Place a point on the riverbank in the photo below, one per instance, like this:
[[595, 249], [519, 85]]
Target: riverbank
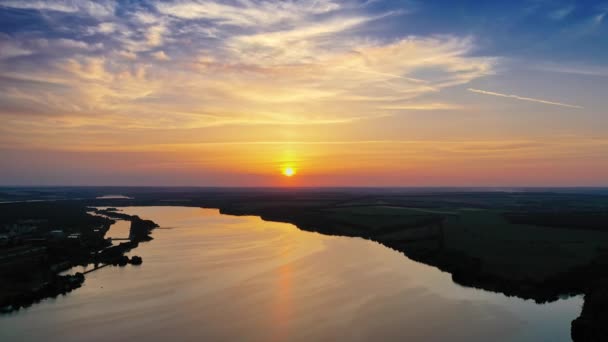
[[217, 277], [47, 239], [500, 242]]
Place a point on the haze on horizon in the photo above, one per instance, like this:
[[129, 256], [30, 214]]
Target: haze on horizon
[[361, 92]]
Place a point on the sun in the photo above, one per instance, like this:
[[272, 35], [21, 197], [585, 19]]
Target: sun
[[289, 171]]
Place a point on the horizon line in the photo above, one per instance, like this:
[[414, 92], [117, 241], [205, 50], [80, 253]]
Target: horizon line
[[319, 187]]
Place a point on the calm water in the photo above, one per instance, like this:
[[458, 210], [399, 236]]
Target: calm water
[[119, 230], [213, 277], [113, 197]]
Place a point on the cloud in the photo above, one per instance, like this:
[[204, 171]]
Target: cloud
[[586, 70], [561, 13], [252, 78], [529, 99], [249, 62], [599, 18], [99, 8], [253, 13], [161, 56], [422, 106], [155, 34], [128, 55], [9, 48], [107, 28]]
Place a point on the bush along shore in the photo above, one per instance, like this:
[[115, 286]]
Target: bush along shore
[[53, 238]]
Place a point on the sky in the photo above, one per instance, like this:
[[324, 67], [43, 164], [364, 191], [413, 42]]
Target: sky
[[345, 93]]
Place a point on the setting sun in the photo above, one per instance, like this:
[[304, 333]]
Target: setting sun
[[289, 171]]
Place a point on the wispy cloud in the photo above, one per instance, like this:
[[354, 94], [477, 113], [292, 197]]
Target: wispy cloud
[[98, 8], [247, 13], [233, 84], [183, 64], [561, 13], [522, 98], [599, 18], [586, 70], [161, 56], [422, 106]]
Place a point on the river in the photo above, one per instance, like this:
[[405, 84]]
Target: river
[[214, 277]]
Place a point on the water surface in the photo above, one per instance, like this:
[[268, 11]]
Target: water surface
[[113, 197], [214, 277]]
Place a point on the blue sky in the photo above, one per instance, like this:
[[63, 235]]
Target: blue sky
[[545, 29], [190, 85]]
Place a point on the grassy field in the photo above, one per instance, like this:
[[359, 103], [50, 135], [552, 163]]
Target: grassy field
[[507, 250], [377, 218], [520, 251]]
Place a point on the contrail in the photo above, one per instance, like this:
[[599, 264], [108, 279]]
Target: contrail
[[523, 98]]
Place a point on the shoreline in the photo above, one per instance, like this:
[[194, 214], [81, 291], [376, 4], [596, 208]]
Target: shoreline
[[54, 283], [424, 233]]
